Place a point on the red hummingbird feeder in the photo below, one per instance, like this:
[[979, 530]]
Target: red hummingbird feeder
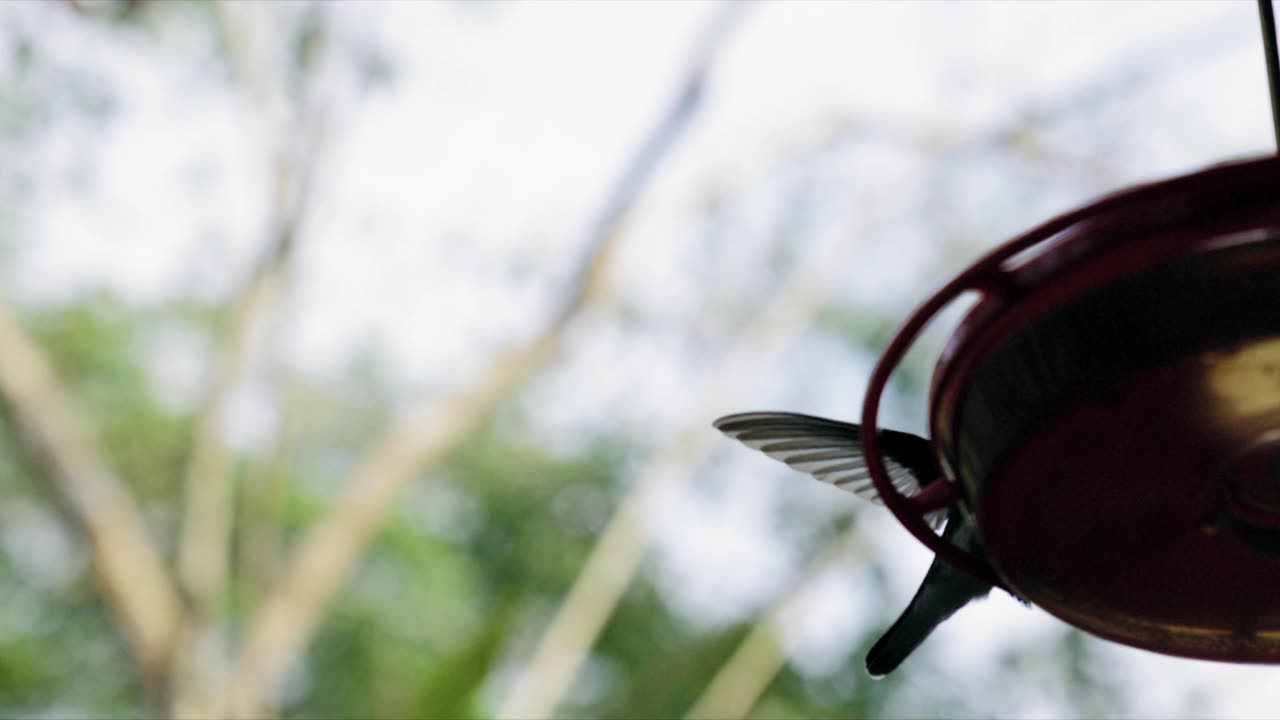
[[1108, 413]]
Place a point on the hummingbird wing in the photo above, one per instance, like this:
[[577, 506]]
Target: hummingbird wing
[[831, 451], [944, 591]]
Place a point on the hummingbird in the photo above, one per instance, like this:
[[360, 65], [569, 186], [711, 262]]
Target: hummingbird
[[831, 451]]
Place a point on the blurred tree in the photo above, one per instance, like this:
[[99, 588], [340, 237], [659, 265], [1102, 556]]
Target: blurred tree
[[373, 556]]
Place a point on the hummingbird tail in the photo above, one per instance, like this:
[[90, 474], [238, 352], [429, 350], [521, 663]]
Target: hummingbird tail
[[897, 644]]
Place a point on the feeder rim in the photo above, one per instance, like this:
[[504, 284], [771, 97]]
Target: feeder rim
[[987, 276]]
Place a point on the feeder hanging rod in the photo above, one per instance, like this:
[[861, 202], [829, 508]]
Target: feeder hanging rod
[[1267, 15]]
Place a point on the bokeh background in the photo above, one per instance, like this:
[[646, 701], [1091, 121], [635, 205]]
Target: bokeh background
[[358, 359]]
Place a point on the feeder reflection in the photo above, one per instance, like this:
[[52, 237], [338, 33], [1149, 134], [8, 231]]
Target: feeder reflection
[[1245, 384]]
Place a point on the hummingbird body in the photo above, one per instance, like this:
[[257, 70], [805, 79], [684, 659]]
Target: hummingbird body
[[831, 451]]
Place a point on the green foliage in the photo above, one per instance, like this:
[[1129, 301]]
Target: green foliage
[[437, 600], [87, 667], [94, 345], [460, 581]]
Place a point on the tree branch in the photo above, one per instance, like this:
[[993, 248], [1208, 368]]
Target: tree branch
[[327, 554], [128, 567], [205, 546], [207, 523]]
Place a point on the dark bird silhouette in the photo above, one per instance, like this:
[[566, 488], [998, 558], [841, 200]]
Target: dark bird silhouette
[[831, 451]]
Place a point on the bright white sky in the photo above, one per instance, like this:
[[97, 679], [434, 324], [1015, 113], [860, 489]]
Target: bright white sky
[[453, 202]]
